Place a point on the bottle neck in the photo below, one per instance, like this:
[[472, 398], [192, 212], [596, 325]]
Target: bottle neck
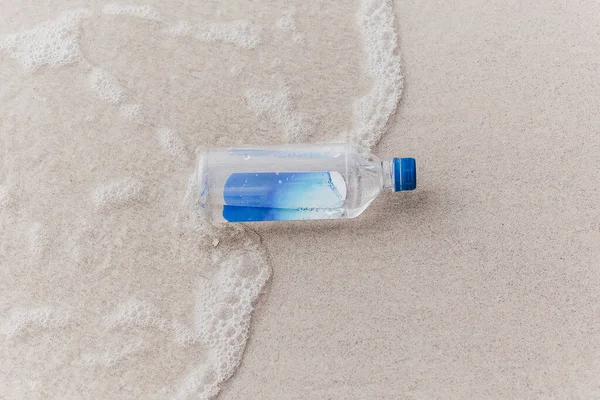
[[387, 175]]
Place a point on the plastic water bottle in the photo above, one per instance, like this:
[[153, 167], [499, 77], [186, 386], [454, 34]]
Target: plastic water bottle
[[295, 182]]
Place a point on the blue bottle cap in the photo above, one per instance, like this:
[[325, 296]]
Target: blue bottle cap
[[405, 174]]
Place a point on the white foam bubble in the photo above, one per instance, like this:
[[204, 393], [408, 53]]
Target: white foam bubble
[[241, 33], [53, 43], [146, 315], [172, 143], [146, 11], [299, 38], [110, 358], [289, 24], [132, 112], [180, 29], [277, 106], [118, 192], [224, 309], [377, 24], [133, 312], [105, 86], [20, 320], [200, 383]]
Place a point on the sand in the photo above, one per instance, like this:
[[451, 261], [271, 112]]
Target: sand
[[484, 283]]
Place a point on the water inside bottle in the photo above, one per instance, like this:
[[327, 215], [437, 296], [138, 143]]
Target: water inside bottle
[[281, 196]]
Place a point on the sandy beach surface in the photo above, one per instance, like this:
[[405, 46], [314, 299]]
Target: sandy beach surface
[[483, 283]]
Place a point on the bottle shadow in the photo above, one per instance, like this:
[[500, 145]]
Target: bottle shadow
[[401, 208]]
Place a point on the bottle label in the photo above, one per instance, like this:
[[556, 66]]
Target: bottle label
[[272, 196]]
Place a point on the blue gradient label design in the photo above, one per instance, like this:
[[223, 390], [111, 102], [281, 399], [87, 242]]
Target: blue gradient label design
[[270, 196]]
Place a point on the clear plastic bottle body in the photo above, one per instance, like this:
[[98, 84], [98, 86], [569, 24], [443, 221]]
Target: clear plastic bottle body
[[289, 182]]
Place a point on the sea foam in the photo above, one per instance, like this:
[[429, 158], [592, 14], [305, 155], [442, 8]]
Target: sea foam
[[113, 232]]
